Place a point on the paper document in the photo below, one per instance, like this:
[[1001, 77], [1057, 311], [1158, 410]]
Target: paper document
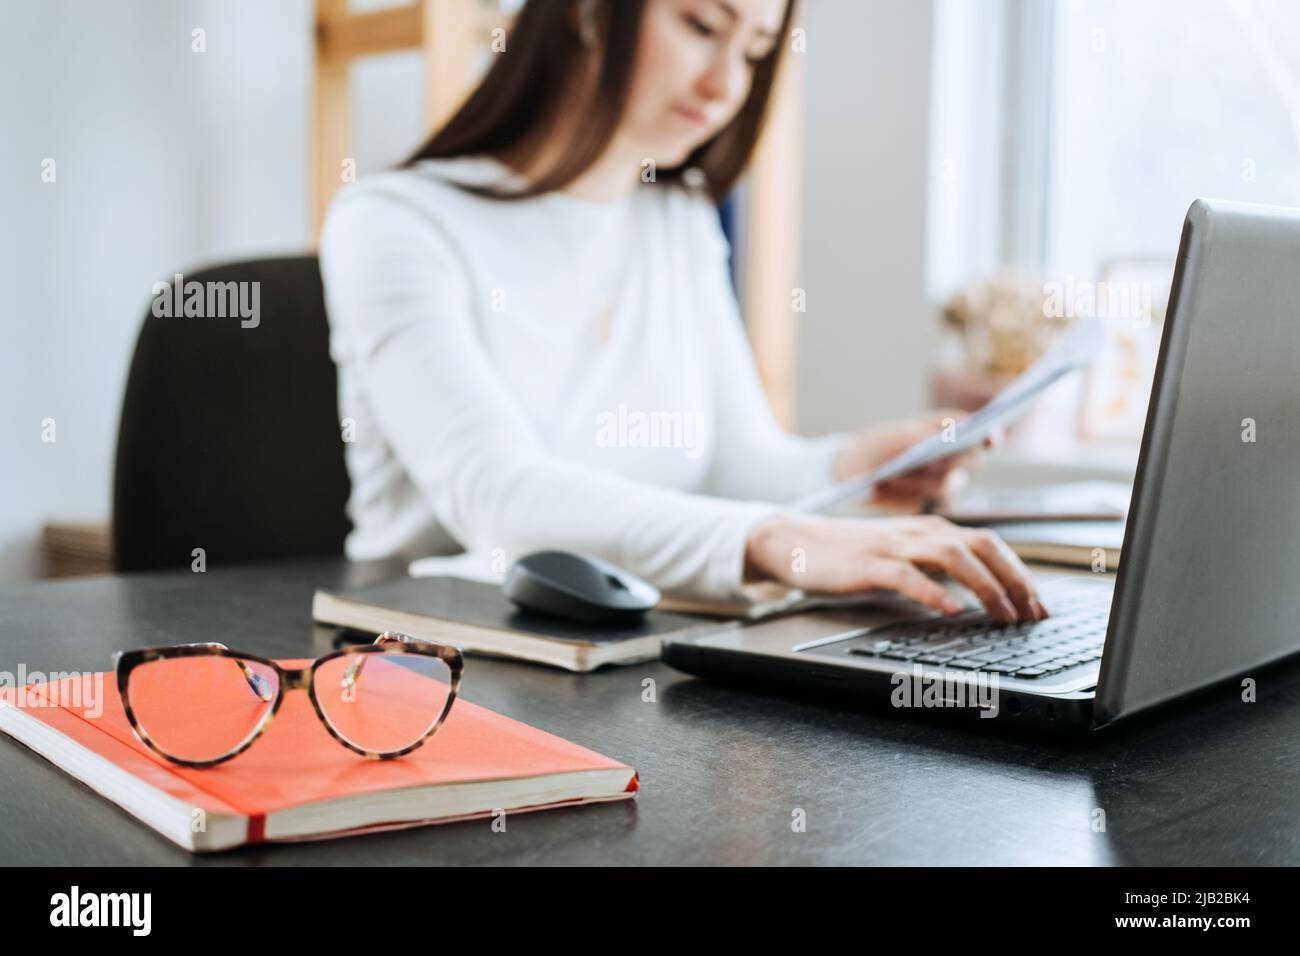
[[1073, 352]]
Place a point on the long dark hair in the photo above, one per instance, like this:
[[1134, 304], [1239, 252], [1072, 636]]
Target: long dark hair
[[523, 94]]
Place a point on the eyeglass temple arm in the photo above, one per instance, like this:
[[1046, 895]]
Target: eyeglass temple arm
[[353, 673], [261, 686]]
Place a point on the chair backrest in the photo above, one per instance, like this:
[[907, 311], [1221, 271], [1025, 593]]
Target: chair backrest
[[230, 437]]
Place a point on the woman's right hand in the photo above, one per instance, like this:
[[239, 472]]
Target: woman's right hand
[[843, 555]]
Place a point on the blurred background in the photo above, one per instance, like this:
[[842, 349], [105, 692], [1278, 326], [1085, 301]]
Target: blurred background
[[945, 184]]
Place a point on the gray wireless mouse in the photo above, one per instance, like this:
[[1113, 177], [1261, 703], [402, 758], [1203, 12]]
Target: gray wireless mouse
[[579, 588]]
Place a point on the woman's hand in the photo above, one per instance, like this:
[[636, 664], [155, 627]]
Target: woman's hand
[[845, 555], [936, 482]]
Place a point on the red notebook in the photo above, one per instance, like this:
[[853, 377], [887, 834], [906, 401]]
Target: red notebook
[[296, 782]]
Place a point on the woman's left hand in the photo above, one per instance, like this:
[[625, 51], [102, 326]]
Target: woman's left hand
[[935, 483]]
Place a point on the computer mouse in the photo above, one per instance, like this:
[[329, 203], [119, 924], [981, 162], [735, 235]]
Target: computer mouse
[[580, 588]]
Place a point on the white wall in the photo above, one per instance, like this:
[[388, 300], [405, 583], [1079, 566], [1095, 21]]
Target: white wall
[[869, 333], [166, 160]]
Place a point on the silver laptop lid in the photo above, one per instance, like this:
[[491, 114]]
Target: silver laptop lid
[[1209, 581]]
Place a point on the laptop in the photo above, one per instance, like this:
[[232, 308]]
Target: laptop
[[1208, 588]]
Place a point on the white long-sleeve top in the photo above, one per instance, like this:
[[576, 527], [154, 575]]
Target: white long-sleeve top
[[550, 373]]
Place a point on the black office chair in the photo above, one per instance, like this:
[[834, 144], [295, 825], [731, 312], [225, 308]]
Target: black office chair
[[230, 436]]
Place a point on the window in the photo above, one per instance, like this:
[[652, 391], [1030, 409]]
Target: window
[[1155, 103], [1093, 125]]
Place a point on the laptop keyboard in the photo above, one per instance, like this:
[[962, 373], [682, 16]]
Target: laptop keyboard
[[1073, 635]]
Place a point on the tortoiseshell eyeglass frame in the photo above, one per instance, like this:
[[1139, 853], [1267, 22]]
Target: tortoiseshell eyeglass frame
[[389, 642]]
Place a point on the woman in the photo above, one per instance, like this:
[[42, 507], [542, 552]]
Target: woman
[[538, 346]]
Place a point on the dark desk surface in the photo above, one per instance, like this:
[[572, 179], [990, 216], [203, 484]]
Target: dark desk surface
[[722, 769]]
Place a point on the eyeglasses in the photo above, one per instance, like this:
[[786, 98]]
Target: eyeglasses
[[202, 704]]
